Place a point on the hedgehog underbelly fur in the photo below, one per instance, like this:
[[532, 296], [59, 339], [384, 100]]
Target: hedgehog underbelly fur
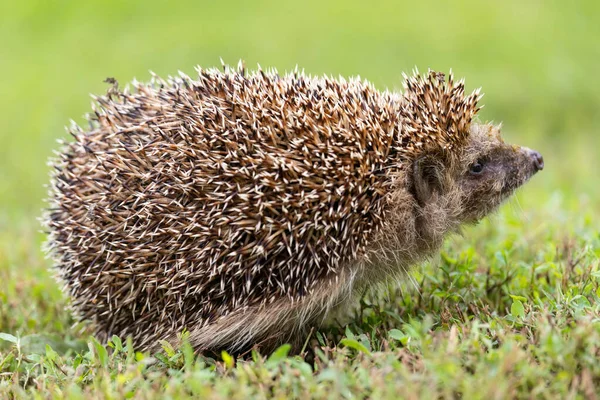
[[241, 207]]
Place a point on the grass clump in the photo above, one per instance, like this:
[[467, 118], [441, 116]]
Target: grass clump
[[505, 311]]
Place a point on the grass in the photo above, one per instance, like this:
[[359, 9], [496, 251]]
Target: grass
[[512, 313], [508, 310]]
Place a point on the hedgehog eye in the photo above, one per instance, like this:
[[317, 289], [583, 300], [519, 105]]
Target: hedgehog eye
[[476, 167]]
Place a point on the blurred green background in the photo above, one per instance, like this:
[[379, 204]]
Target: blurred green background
[[537, 62]]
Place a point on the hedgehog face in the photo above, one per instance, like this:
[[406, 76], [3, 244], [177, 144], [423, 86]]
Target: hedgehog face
[[490, 171], [466, 170], [464, 189]]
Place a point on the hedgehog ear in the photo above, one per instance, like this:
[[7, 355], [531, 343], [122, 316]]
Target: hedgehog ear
[[427, 178]]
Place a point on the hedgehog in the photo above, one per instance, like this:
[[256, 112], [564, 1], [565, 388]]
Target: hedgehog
[[245, 207]]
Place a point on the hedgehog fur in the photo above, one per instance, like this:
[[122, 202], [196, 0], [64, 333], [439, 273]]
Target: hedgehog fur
[[245, 207]]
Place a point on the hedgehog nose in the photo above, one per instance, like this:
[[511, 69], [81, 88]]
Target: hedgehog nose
[[538, 160]]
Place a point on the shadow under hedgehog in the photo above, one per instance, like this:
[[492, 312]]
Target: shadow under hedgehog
[[245, 207]]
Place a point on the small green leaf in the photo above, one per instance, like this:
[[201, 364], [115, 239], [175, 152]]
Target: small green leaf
[[320, 338], [517, 310], [168, 348], [279, 354], [100, 352], [396, 334], [516, 297], [449, 260], [8, 337], [117, 344], [162, 358], [227, 359], [349, 333], [364, 340], [353, 344], [255, 356], [50, 353]]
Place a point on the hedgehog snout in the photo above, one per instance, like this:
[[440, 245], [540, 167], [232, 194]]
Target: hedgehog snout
[[537, 159]]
